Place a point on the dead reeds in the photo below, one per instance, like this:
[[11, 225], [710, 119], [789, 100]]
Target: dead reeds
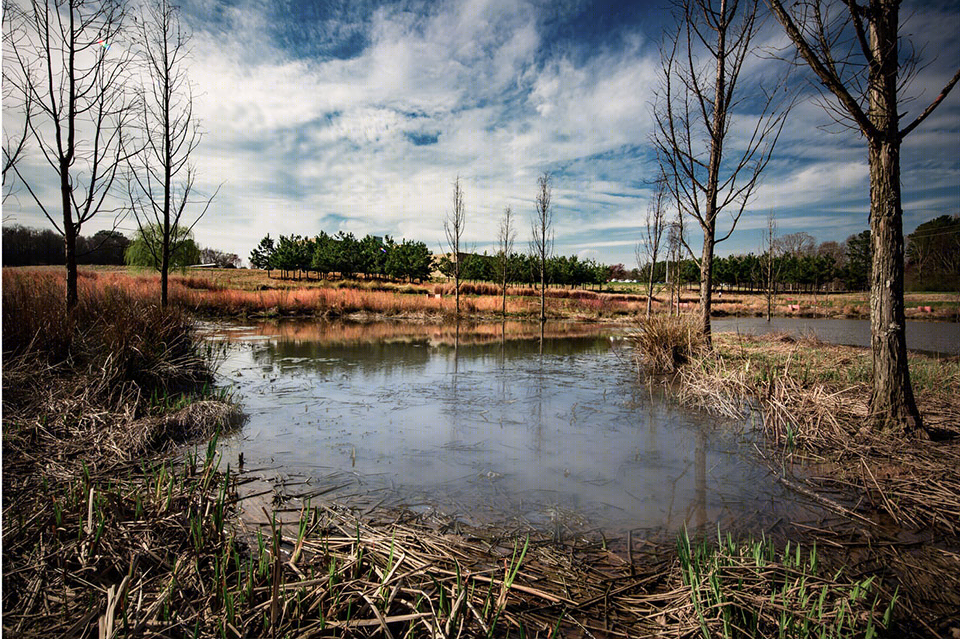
[[663, 343], [813, 403]]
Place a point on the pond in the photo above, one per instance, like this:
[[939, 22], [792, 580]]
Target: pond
[[487, 425], [930, 337]]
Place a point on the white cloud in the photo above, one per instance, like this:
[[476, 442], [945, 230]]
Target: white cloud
[[303, 143]]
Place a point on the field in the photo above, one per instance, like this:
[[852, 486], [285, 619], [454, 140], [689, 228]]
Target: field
[[247, 292]]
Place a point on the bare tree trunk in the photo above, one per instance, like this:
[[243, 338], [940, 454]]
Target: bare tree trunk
[[542, 240], [69, 236], [75, 105], [706, 285], [165, 264], [453, 228], [693, 118], [892, 400], [892, 404], [650, 290], [506, 237]]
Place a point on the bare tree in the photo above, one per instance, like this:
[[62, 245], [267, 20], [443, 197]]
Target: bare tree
[[675, 243], [799, 244], [855, 54], [693, 113], [770, 250], [13, 144], [505, 237], [64, 67], [542, 233], [453, 228], [649, 246], [161, 179]]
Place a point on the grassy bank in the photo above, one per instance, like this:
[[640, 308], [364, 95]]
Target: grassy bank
[[92, 405], [897, 501], [243, 293]]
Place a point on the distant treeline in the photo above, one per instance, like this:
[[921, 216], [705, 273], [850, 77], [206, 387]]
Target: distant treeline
[[831, 266], [346, 256], [525, 269], [933, 255], [800, 264], [23, 246]]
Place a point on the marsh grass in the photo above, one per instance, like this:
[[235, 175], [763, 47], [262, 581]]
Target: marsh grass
[[109, 532], [812, 400], [749, 589], [662, 343]]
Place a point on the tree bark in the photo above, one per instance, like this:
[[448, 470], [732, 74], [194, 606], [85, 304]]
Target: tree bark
[[706, 283], [892, 404]]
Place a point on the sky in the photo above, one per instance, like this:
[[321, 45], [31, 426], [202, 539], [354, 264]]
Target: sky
[[358, 115]]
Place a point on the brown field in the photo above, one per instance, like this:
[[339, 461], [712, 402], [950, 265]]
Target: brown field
[[239, 292], [248, 292]]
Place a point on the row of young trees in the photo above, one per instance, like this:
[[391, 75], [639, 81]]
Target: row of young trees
[[523, 268], [345, 255]]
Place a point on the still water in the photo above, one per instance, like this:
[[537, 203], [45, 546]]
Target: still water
[[488, 427], [931, 337]]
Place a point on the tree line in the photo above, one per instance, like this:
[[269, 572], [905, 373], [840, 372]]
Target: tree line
[[522, 268], [345, 255], [25, 246], [799, 264]]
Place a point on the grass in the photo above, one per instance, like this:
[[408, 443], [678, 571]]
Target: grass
[[243, 293], [812, 402], [749, 589], [110, 528], [662, 343]]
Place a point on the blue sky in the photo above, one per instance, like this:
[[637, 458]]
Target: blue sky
[[358, 116]]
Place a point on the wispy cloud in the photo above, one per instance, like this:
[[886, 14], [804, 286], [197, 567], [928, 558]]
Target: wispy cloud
[[359, 115]]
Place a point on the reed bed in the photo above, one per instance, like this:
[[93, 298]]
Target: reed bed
[[209, 296], [814, 402], [147, 548]]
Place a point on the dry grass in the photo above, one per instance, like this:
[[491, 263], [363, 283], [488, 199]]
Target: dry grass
[[225, 294], [662, 343], [813, 399]]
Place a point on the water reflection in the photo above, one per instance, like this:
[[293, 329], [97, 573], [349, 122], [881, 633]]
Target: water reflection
[[489, 422]]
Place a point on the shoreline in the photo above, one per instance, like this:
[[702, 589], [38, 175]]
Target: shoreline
[[890, 493]]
